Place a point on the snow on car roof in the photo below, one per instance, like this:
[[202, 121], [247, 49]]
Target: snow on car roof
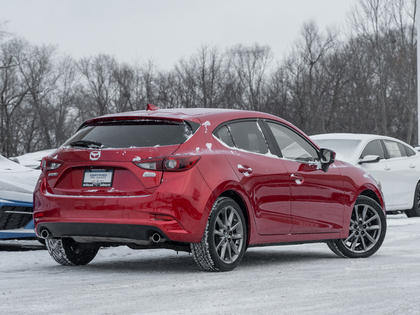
[[350, 136]]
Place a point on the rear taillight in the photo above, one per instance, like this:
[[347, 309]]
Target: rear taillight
[[49, 164], [170, 163]]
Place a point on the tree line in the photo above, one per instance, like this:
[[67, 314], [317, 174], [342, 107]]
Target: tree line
[[359, 79]]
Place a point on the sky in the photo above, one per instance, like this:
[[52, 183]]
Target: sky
[[166, 30]]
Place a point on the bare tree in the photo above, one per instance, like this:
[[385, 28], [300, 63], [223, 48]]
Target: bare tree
[[40, 76], [402, 60], [369, 22], [249, 65], [307, 77], [12, 93], [100, 88]]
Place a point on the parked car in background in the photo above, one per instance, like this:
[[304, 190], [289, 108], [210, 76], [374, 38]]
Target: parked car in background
[[208, 181], [33, 159], [394, 163], [17, 184]]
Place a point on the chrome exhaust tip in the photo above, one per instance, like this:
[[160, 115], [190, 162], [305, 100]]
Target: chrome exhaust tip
[[45, 234], [156, 238]]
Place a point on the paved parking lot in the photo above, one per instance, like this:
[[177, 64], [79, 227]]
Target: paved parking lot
[[298, 279]]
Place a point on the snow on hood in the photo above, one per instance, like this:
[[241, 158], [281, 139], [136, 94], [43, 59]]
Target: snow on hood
[[33, 159], [17, 182]]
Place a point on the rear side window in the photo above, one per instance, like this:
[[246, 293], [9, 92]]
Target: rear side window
[[395, 149], [224, 135], [409, 151], [134, 134]]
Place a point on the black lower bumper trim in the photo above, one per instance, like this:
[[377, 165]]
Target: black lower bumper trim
[[100, 230]]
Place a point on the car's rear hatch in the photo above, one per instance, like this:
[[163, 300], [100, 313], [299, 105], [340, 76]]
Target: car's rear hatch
[[115, 158]]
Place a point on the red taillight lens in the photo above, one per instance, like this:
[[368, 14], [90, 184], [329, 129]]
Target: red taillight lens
[[180, 163], [170, 163], [38, 215], [50, 164]]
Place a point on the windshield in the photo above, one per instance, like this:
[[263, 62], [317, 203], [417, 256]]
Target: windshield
[[343, 147], [128, 134]]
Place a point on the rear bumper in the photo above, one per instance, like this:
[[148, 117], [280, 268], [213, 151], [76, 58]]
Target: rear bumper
[[176, 210], [102, 232]]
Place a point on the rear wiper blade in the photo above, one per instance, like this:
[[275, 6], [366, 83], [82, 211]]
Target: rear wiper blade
[[86, 143]]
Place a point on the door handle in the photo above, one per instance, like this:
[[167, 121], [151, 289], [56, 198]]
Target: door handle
[[297, 178], [412, 166], [244, 169], [387, 167]]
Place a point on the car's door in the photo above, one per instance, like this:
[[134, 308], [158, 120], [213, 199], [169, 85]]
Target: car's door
[[263, 175], [397, 171], [379, 170], [402, 170], [317, 196]]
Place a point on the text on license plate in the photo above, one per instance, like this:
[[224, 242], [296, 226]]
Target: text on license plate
[[98, 178]]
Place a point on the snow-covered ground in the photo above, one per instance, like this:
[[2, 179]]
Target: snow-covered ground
[[299, 279]]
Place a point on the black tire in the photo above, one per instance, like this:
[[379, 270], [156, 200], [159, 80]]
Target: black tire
[[224, 241], [366, 233], [67, 252], [41, 240], [415, 211]]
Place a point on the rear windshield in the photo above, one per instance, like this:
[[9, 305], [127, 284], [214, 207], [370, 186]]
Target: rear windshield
[[128, 134], [344, 147]]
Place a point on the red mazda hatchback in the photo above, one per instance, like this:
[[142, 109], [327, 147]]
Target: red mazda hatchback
[[212, 182]]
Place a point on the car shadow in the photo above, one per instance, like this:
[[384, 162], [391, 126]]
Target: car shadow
[[20, 246], [284, 255], [184, 262]]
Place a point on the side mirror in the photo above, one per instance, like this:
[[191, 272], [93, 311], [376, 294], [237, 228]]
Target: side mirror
[[369, 159], [327, 157]]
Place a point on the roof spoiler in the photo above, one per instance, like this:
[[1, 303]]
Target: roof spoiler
[[151, 107]]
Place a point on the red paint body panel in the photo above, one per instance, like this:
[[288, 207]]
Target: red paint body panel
[[182, 196], [277, 207]]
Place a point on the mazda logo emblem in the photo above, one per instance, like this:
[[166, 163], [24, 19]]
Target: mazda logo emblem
[[95, 155]]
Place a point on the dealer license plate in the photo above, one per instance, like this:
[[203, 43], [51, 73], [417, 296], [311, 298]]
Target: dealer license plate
[[98, 178]]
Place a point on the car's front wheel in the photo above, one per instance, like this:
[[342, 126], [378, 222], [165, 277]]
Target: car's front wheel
[[67, 252], [224, 241], [366, 232]]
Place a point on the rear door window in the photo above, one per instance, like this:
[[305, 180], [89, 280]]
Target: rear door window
[[245, 135], [374, 147]]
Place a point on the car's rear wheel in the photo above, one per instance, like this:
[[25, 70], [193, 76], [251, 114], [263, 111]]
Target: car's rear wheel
[[224, 241], [415, 211], [366, 233], [67, 252]]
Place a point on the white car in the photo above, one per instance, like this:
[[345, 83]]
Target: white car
[[33, 159], [394, 163], [17, 184]]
